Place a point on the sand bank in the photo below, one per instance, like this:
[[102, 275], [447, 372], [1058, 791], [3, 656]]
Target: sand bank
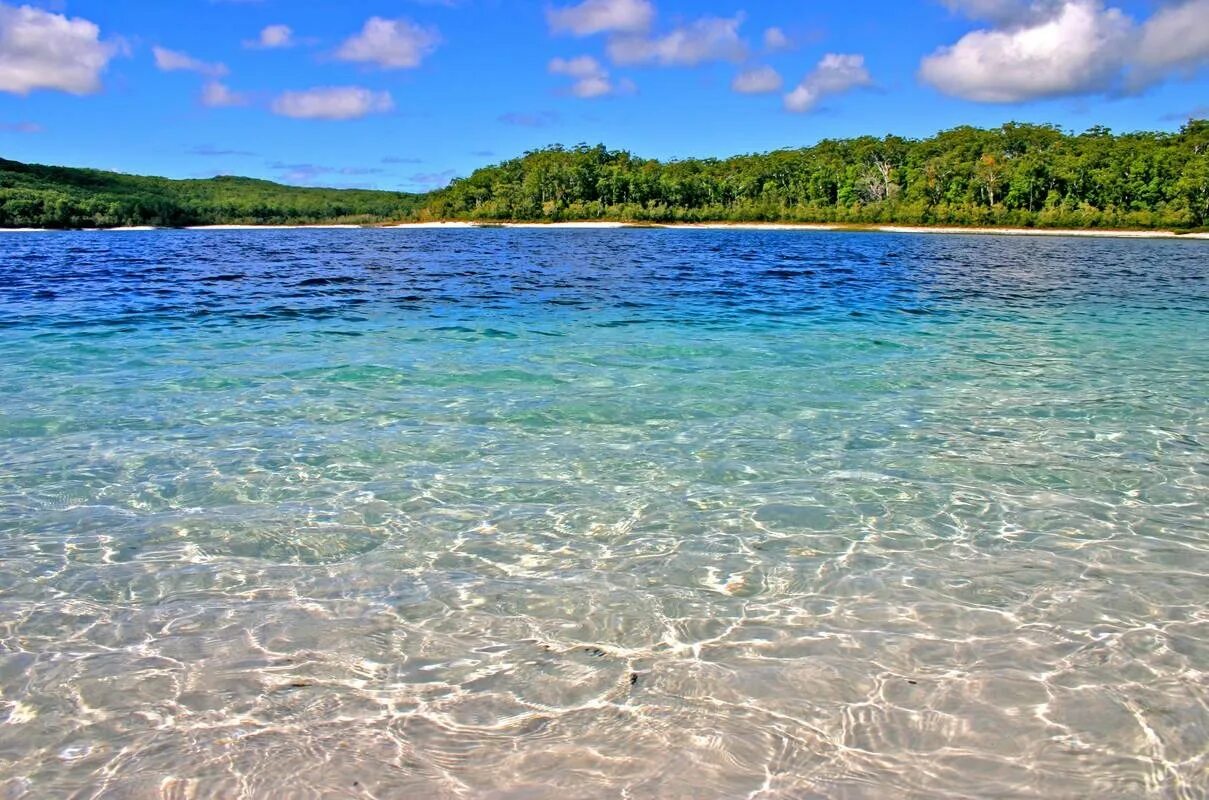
[[696, 226], [270, 227], [794, 226], [1041, 232]]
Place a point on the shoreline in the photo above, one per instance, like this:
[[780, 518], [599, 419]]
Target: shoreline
[[945, 230], [269, 227], [939, 230]]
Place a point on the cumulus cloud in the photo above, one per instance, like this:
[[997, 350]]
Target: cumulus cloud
[[1006, 12], [757, 80], [1176, 37], [273, 37], [836, 73], [41, 50], [175, 61], [216, 94], [602, 16], [591, 78], [1081, 48], [390, 44], [705, 39], [332, 103], [776, 39]]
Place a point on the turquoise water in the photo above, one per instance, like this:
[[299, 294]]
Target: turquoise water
[[644, 514]]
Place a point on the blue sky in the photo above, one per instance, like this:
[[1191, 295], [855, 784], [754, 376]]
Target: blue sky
[[404, 94]]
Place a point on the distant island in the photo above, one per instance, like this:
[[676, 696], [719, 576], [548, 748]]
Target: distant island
[[1017, 175]]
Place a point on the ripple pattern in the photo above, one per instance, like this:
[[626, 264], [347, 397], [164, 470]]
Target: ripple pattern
[[581, 514]]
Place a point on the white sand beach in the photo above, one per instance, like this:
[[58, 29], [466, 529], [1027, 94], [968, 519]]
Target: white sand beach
[[530, 225], [1042, 232], [805, 226], [269, 227], [688, 226], [433, 225]]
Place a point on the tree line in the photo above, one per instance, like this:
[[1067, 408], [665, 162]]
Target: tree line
[[1018, 175], [37, 196], [1014, 175]]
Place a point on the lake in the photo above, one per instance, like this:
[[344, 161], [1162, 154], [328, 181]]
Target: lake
[[585, 514]]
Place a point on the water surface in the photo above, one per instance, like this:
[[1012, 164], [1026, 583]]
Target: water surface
[[582, 514]]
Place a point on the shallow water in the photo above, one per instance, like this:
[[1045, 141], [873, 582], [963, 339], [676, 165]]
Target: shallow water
[[580, 514]]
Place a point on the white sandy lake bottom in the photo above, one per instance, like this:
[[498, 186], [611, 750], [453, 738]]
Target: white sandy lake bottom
[[286, 514]]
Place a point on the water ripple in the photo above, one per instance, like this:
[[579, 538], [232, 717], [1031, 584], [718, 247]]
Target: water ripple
[[646, 513]]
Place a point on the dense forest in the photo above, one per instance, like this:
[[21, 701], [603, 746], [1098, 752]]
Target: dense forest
[[1015, 175], [60, 197]]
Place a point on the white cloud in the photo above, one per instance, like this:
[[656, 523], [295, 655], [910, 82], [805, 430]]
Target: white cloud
[[836, 73], [1200, 112], [591, 78], [757, 80], [1176, 37], [175, 61], [218, 95], [433, 180], [579, 67], [332, 103], [1079, 49], [41, 50], [776, 39], [390, 43], [602, 16], [310, 173], [273, 37], [706, 39], [1006, 12]]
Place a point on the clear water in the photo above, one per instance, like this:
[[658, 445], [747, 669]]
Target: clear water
[[585, 514]]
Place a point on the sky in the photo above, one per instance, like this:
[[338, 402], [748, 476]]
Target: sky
[[407, 94]]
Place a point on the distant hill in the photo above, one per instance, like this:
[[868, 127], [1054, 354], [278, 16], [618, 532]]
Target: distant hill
[[38, 196]]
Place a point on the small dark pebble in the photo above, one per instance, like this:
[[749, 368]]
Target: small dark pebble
[[633, 678], [299, 685], [913, 683]]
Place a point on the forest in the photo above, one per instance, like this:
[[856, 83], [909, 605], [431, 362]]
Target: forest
[[34, 196], [1015, 175]]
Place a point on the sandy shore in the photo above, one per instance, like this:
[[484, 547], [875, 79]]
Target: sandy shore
[[700, 226], [529, 225], [1042, 232], [270, 227], [793, 226]]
